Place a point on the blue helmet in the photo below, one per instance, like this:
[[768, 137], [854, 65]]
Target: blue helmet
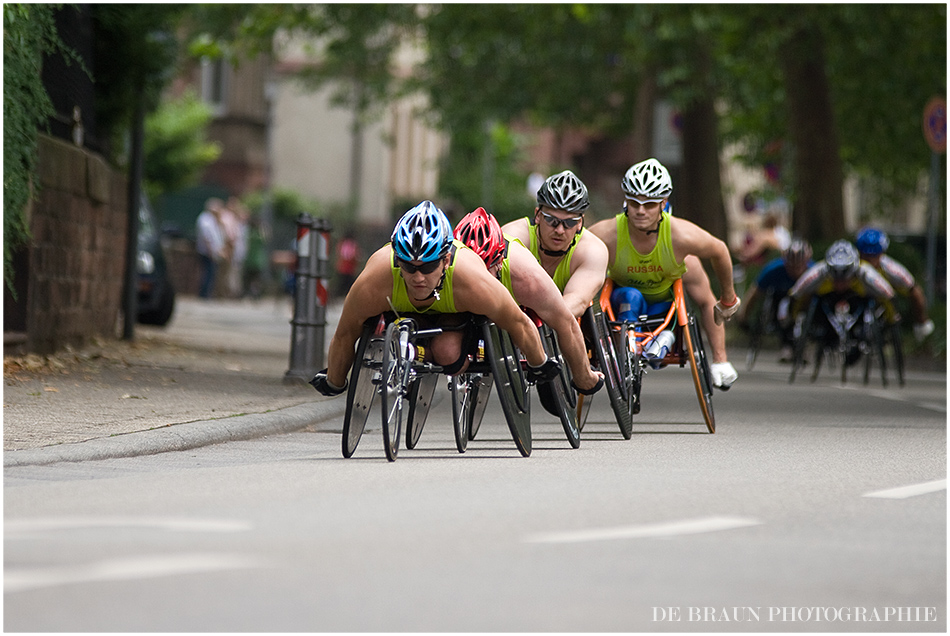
[[422, 234], [871, 240]]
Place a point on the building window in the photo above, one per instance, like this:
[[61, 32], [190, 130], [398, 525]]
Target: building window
[[214, 84]]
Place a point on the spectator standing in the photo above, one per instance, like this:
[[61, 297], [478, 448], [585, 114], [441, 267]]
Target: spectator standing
[[256, 262], [210, 245], [347, 262]]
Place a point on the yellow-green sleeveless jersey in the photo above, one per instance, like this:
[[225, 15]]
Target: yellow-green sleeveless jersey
[[653, 274], [562, 273], [505, 274], [445, 304]]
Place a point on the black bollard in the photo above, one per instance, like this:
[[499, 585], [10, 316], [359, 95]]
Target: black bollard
[[309, 320]]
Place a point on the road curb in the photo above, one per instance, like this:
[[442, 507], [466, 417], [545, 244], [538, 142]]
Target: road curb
[[180, 437]]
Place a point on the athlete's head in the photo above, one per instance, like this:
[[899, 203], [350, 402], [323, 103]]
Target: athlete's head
[[562, 199], [646, 188], [422, 234], [480, 231], [842, 260], [872, 241], [796, 257], [563, 191], [647, 181]]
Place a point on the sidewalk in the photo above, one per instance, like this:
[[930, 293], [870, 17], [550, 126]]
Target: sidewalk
[[215, 373]]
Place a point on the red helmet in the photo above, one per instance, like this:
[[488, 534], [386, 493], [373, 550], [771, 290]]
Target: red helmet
[[480, 231]]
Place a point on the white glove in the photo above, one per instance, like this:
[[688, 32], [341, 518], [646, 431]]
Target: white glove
[[723, 375], [725, 312], [923, 330]]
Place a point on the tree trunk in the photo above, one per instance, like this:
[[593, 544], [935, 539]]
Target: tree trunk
[[818, 209], [642, 138], [698, 190]]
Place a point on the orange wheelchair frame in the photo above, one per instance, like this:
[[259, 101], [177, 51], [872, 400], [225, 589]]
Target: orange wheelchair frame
[[688, 347]]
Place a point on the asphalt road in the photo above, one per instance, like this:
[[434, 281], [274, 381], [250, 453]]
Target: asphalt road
[[813, 508]]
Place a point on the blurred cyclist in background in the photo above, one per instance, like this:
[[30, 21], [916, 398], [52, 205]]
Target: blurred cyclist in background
[[777, 278], [872, 244]]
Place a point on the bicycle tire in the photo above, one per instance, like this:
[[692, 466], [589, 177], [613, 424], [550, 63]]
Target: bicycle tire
[[481, 391], [801, 339], [513, 388], [394, 383], [757, 332], [699, 366], [560, 393], [362, 392], [461, 388], [897, 345], [420, 400], [617, 380]]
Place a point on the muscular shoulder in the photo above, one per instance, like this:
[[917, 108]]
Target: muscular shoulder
[[605, 230], [518, 229], [590, 250]]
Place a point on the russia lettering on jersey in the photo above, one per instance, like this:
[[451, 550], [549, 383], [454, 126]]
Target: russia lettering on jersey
[[644, 269]]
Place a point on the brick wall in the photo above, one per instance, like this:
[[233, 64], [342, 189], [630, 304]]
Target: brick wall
[[77, 255]]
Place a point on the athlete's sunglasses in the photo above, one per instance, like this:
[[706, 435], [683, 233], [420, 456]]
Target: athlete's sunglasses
[[553, 221], [425, 268]]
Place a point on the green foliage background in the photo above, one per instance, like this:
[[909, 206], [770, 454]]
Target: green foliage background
[[29, 31]]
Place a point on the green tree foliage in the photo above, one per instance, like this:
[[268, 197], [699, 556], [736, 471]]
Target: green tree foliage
[[176, 149], [136, 54], [29, 31]]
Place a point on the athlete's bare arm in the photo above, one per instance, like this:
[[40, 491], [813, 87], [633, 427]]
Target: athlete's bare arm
[[606, 231], [518, 229], [366, 298], [689, 238], [533, 288], [588, 271]]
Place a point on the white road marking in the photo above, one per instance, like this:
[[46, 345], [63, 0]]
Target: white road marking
[[48, 524], [127, 569], [648, 531], [905, 492], [893, 397]]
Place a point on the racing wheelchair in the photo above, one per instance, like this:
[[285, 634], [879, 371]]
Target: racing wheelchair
[[389, 366], [844, 328], [619, 345]]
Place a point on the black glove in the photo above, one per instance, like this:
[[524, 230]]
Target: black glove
[[545, 373], [593, 389], [321, 384]]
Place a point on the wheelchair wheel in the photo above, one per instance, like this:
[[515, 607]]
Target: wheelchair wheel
[[420, 399], [894, 335], [464, 393], [513, 388], [875, 335], [758, 329], [362, 392], [481, 390], [699, 366], [395, 383], [584, 403], [618, 369], [557, 396], [802, 329]]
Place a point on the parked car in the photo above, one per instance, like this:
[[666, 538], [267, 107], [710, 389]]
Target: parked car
[[156, 297]]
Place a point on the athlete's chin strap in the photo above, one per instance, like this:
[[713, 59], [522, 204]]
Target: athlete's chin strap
[[556, 252], [445, 268], [657, 229]]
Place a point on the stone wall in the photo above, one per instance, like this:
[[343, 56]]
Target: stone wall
[[77, 253]]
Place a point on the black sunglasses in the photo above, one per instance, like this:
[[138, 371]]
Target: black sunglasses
[[553, 221], [425, 268]]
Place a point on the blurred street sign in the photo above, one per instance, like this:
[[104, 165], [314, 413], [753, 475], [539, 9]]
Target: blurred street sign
[[935, 124]]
